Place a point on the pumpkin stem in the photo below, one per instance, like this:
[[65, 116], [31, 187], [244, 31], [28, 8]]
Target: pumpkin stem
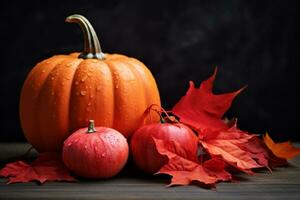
[[91, 128], [167, 118], [92, 48]]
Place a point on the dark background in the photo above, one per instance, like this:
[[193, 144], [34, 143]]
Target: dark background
[[254, 43]]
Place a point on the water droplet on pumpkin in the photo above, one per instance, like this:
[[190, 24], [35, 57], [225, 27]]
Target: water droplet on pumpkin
[[98, 88], [83, 93], [48, 62], [52, 78], [69, 144], [117, 86], [89, 74], [62, 83], [89, 103], [103, 155], [83, 79], [76, 140], [85, 147], [43, 71], [91, 96], [76, 82], [86, 87]]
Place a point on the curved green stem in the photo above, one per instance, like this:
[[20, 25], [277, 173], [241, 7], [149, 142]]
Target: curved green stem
[[92, 48]]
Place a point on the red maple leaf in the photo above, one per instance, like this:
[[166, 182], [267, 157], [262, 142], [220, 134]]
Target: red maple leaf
[[224, 142], [184, 167], [47, 167], [228, 144], [201, 109]]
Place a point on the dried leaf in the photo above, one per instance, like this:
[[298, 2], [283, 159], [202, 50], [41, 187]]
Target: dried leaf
[[185, 168], [47, 167], [283, 149]]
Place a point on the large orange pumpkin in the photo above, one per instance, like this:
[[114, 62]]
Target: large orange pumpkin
[[63, 92]]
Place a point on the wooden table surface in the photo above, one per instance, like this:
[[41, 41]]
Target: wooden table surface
[[130, 184]]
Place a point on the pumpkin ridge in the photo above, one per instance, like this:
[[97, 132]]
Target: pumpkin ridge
[[38, 102], [68, 62], [73, 98], [71, 94], [110, 117], [141, 82], [147, 86], [128, 99], [30, 135], [109, 64]]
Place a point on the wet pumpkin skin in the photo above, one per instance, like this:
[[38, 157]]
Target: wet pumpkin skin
[[143, 149], [63, 92], [100, 153]]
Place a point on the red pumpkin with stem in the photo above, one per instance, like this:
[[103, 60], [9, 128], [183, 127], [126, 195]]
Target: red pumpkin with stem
[[95, 152], [143, 148]]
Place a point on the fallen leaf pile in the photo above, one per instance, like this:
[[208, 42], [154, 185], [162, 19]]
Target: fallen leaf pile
[[224, 147]]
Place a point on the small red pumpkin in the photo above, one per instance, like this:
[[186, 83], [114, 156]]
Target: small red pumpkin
[[95, 152], [143, 148]]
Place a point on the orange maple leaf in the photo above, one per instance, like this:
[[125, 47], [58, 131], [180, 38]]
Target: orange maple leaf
[[282, 149]]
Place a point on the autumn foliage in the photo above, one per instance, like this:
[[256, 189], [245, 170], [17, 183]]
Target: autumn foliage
[[222, 144]]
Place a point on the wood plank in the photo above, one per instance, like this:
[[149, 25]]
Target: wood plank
[[131, 184]]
